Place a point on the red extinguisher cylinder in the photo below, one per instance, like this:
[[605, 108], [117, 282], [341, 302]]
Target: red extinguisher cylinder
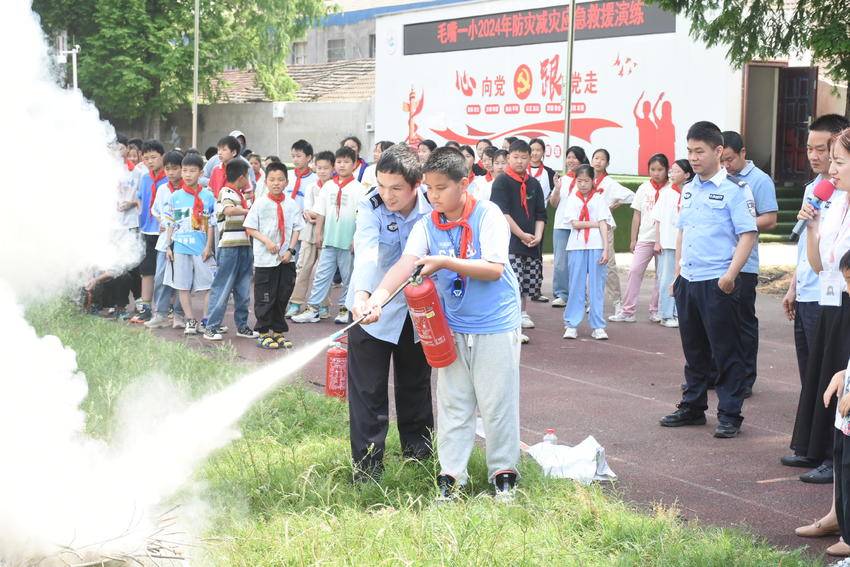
[[426, 311], [336, 372]]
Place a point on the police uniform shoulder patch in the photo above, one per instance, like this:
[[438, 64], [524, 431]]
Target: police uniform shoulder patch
[[375, 198]]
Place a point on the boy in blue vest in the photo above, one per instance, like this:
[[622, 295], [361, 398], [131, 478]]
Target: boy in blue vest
[[464, 244]]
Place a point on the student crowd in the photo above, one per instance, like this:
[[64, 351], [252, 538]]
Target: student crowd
[[474, 219]]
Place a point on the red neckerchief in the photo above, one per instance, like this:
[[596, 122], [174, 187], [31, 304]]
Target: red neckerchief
[[340, 186], [471, 177], [489, 177], [463, 222], [480, 164], [320, 183], [678, 190], [523, 194], [299, 175], [198, 206], [172, 188], [156, 179], [584, 215], [571, 174], [130, 165], [539, 171], [657, 188], [244, 203], [598, 181], [281, 221]]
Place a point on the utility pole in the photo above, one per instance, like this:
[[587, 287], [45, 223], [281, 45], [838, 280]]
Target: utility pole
[[568, 82], [197, 43], [63, 58]]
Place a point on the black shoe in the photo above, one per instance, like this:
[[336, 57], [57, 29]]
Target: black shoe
[[683, 416], [504, 484], [821, 475], [446, 488], [726, 430], [748, 392], [798, 461], [540, 299]]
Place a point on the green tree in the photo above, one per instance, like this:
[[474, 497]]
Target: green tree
[[764, 29], [137, 55]]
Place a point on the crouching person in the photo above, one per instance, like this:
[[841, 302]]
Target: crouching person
[[464, 244], [385, 218]]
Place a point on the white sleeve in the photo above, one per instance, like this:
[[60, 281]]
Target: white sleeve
[[495, 236], [637, 203], [602, 213], [570, 209], [417, 241], [252, 219], [622, 193], [319, 203], [658, 210]]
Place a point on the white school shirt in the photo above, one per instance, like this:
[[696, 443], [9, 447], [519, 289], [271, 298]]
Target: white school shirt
[[308, 233], [339, 228], [834, 232], [162, 201], [370, 176], [666, 214], [567, 189], [263, 218], [615, 192], [644, 202], [541, 174], [481, 188], [597, 206]]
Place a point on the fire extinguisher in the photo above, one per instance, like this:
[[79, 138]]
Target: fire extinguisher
[[336, 371], [423, 302]]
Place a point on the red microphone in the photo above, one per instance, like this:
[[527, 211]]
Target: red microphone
[[823, 192]]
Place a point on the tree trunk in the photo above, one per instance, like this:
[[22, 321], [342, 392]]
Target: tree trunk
[[847, 99], [152, 125]]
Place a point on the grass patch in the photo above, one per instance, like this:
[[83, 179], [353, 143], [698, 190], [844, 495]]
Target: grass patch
[[282, 496]]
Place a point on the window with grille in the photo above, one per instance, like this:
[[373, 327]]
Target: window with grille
[[336, 50]]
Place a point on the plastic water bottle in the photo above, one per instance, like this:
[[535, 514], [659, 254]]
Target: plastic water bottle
[[550, 437]]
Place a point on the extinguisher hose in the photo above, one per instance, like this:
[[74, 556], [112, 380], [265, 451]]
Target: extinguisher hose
[[413, 277]]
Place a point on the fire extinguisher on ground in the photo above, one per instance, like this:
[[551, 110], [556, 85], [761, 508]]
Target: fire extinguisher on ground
[[336, 371]]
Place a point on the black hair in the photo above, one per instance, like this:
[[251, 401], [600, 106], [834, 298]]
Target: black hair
[[431, 144], [488, 142], [585, 169], [832, 123], [211, 151], [733, 141], [533, 141], [399, 159], [844, 263], [193, 160], [276, 166], [246, 152], [384, 145], [257, 156], [520, 146], [604, 151], [449, 144], [448, 161], [659, 158], [685, 165], [135, 143], [173, 158], [194, 151], [579, 153], [153, 146], [500, 152], [467, 149], [354, 139], [235, 169], [326, 155], [705, 131], [345, 152], [511, 139], [273, 159], [121, 139], [231, 143], [303, 146], [490, 151]]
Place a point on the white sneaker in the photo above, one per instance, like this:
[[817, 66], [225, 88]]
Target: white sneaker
[[655, 317], [309, 315], [157, 322], [620, 317], [570, 333], [191, 327], [523, 339], [341, 317], [599, 334], [672, 323], [178, 322], [527, 323], [618, 306], [558, 302]]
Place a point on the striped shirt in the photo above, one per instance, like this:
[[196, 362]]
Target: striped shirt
[[232, 231]]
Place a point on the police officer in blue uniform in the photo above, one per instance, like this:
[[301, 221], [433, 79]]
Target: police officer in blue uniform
[[385, 218], [717, 231]]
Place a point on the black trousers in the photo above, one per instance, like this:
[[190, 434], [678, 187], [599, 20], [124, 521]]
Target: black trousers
[[710, 329], [842, 482], [749, 326], [368, 399], [272, 290], [805, 327]]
